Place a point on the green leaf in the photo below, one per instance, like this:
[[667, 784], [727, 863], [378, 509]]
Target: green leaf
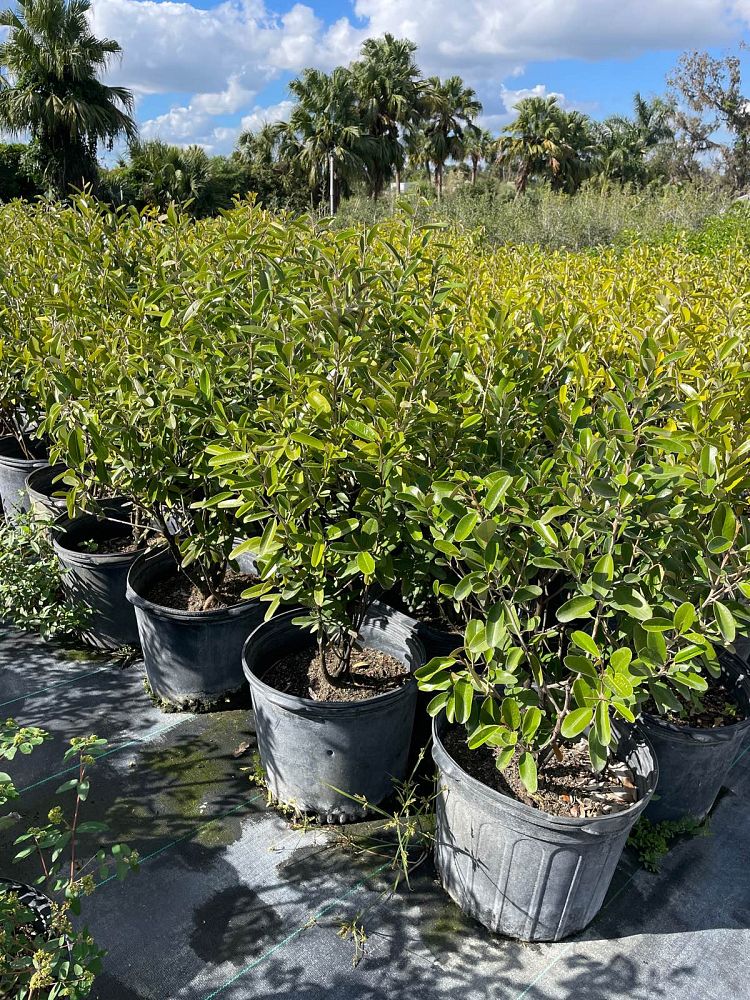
[[465, 526], [482, 735], [576, 607], [601, 721], [576, 721], [604, 568], [437, 704], [365, 563], [684, 617], [546, 533], [597, 753], [511, 713], [585, 642], [475, 639], [527, 771], [464, 695], [582, 665], [725, 621], [308, 440], [495, 631], [620, 658], [504, 758], [532, 719], [496, 493], [632, 602]]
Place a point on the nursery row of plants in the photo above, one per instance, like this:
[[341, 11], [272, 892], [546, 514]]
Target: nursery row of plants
[[385, 475]]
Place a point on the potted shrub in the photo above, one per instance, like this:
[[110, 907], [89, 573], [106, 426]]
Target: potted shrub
[[700, 582], [324, 467], [44, 951], [135, 395], [331, 682], [575, 571], [21, 403]]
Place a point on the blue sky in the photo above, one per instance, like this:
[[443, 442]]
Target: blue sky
[[203, 70]]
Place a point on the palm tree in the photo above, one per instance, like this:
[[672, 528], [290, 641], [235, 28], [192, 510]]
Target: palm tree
[[389, 88], [625, 143], [261, 148], [418, 149], [325, 134], [479, 146], [549, 141], [533, 142], [159, 174], [451, 108], [52, 91]]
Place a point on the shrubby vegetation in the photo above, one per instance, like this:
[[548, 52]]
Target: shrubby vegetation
[[553, 445], [44, 954]]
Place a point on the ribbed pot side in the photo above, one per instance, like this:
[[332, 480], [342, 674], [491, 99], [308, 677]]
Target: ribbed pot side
[[317, 754], [193, 659], [98, 579], [14, 469], [520, 871]]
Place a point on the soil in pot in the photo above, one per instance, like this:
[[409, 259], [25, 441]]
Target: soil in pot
[[178, 591], [127, 542], [372, 672], [715, 708], [566, 787], [316, 753]]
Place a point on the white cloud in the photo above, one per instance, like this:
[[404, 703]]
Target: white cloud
[[261, 116], [219, 60]]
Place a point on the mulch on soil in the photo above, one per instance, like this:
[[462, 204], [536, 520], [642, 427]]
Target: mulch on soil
[[566, 787], [372, 673]]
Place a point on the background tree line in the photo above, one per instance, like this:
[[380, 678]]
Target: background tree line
[[362, 128]]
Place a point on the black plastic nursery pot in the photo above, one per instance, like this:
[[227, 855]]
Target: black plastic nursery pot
[[44, 492], [693, 763], [193, 659], [522, 872], [317, 754], [98, 579], [15, 466]]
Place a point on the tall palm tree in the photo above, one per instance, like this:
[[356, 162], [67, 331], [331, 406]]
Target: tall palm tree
[[418, 149], [325, 134], [625, 143], [388, 84], [549, 141], [533, 142], [52, 91], [479, 146], [451, 108], [261, 147]]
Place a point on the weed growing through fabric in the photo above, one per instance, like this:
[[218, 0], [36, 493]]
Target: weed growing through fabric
[[653, 841]]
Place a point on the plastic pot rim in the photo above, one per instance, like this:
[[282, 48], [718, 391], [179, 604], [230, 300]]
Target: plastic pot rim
[[698, 734], [19, 462], [538, 817], [163, 555], [78, 558], [49, 470], [298, 703]]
